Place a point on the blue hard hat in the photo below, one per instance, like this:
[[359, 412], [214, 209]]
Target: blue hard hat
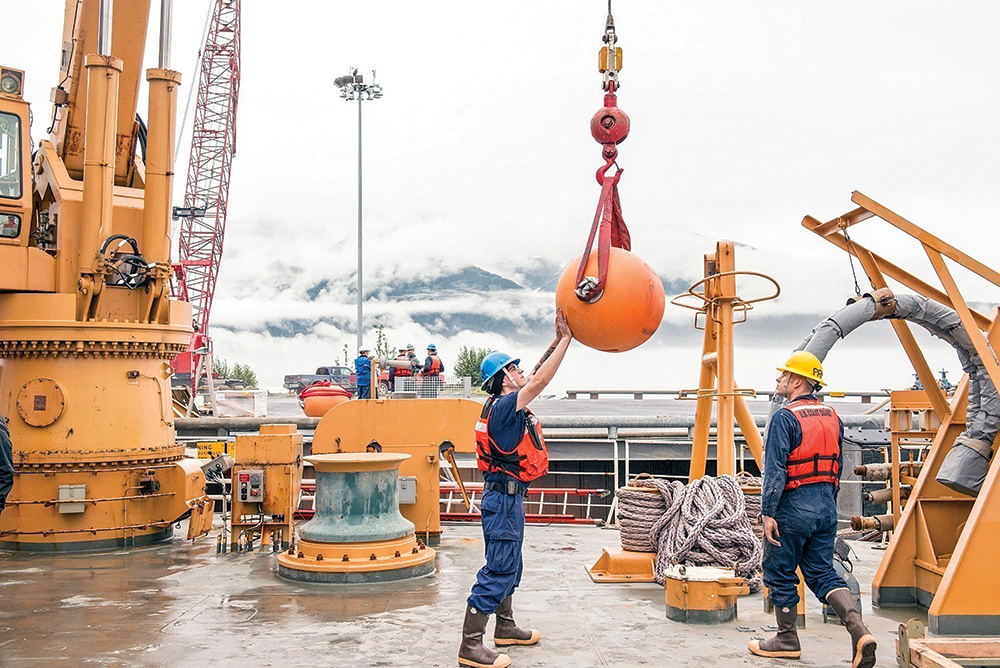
[[431, 346], [493, 363]]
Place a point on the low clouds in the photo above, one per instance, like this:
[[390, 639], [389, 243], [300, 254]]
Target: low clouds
[[294, 309]]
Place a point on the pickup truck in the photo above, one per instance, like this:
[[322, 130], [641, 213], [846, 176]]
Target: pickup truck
[[340, 375]]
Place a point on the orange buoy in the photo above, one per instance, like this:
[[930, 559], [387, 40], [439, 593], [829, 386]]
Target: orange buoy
[[319, 398], [626, 315]]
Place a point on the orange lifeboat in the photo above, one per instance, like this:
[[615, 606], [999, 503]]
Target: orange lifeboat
[[320, 397]]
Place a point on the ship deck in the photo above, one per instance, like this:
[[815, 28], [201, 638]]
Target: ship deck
[[181, 604]]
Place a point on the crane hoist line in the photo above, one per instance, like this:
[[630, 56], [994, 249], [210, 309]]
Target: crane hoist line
[[609, 127], [619, 317]]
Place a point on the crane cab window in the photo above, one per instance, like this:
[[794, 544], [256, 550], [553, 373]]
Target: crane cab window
[[10, 156]]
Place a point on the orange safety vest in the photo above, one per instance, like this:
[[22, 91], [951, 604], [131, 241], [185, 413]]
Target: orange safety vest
[[526, 462], [816, 458], [403, 371], [435, 367]]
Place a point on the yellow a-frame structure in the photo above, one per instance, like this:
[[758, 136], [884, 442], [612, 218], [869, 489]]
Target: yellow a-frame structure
[[943, 553]]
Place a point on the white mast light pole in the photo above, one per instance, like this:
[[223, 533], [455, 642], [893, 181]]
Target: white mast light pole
[[352, 87]]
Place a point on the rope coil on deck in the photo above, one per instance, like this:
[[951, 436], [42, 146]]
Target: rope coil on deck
[[637, 513], [704, 523], [752, 500]]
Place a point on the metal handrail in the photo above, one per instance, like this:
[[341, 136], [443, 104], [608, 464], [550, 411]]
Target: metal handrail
[[553, 422]]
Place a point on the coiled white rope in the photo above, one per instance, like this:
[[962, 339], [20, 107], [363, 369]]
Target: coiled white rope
[[704, 523]]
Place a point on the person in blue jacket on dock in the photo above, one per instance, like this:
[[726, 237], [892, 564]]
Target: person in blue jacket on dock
[[363, 371]]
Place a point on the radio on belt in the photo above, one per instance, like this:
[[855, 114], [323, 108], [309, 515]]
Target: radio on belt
[[251, 486]]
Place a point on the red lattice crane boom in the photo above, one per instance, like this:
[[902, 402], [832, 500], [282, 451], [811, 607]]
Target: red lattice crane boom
[[213, 144]]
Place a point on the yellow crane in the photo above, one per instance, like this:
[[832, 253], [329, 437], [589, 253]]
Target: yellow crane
[[87, 326]]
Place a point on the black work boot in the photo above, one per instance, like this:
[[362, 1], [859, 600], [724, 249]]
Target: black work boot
[[785, 645], [507, 631], [473, 652], [862, 641]]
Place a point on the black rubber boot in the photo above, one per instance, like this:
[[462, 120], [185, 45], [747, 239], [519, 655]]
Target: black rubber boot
[[507, 631], [473, 652], [862, 641], [784, 645]]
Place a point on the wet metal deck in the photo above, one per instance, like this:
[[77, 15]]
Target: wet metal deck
[[181, 604]]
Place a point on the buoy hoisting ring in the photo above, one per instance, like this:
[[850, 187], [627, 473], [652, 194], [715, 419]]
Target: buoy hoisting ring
[[587, 290]]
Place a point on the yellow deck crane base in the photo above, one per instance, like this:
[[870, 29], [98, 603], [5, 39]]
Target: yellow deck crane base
[[87, 328]]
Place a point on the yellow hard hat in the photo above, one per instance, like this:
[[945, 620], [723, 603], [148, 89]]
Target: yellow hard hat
[[804, 364]]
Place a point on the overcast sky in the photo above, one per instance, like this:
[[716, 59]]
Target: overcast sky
[[745, 117]]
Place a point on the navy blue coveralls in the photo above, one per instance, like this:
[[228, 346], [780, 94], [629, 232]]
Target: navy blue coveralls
[[6, 463], [363, 371], [503, 515], [806, 517]]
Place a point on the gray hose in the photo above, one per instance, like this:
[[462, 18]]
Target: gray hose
[[965, 466]]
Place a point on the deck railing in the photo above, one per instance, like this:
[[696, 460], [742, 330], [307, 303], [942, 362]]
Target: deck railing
[[866, 397]]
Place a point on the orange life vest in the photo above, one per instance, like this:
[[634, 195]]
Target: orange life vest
[[403, 370], [816, 458], [435, 367], [526, 462]]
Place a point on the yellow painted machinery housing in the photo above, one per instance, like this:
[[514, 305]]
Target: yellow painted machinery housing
[[87, 328], [266, 479], [415, 427]]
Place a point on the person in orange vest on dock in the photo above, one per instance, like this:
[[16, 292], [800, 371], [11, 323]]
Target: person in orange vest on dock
[[510, 451], [803, 461], [431, 373], [399, 372]]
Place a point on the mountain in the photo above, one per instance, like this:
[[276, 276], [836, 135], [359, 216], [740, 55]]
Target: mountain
[[445, 303]]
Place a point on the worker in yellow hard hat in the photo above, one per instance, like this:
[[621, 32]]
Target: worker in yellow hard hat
[[802, 466]]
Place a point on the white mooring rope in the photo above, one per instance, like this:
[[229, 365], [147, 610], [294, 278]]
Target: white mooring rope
[[704, 523]]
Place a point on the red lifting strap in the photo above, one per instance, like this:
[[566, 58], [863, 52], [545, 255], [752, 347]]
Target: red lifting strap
[[613, 231]]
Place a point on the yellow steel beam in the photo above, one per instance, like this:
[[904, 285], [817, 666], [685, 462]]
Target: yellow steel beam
[[842, 222], [725, 442], [891, 270], [926, 238], [965, 314], [748, 426], [706, 380], [128, 42]]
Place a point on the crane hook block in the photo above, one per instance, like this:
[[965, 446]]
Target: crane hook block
[[609, 125], [604, 65]]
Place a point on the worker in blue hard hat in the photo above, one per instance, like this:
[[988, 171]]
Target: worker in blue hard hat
[[431, 373], [803, 462], [510, 451]]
